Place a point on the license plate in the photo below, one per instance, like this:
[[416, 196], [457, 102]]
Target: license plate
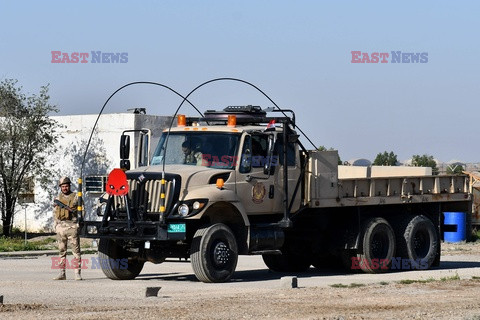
[[176, 227]]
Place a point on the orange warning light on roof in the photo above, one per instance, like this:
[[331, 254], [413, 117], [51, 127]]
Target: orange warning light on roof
[[181, 120], [232, 120]]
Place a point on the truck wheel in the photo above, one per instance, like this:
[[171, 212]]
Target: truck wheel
[[214, 253], [418, 243], [378, 246], [286, 262], [113, 260]]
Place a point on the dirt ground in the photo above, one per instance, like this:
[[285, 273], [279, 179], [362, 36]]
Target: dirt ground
[[440, 298], [436, 300]]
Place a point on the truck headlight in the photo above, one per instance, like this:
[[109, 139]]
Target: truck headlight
[[183, 210], [197, 205], [191, 207]]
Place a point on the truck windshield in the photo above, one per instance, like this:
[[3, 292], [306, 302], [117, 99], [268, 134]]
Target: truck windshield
[[212, 149]]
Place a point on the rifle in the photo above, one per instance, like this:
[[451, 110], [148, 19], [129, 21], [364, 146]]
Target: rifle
[[62, 205]]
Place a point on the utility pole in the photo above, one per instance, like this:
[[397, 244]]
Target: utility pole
[[25, 207]]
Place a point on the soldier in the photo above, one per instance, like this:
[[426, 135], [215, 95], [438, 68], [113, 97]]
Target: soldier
[[192, 156], [66, 227]]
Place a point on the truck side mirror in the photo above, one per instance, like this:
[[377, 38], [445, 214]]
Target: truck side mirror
[[269, 166], [125, 164], [124, 147], [144, 148], [246, 160]]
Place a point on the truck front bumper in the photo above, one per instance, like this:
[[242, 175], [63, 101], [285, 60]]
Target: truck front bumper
[[141, 230]]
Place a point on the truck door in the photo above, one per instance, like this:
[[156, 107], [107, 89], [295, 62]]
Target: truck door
[[294, 171], [255, 188]]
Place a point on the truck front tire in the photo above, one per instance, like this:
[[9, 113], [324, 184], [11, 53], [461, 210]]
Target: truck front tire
[[214, 253], [114, 261]]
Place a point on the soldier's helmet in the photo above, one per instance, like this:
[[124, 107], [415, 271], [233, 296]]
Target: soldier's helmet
[[64, 180]]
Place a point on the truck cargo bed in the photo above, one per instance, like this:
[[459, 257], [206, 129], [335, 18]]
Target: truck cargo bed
[[324, 189]]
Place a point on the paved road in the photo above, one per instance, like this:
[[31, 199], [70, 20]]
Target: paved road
[[28, 280]]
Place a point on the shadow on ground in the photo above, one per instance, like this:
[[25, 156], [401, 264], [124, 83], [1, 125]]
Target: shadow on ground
[[266, 274]]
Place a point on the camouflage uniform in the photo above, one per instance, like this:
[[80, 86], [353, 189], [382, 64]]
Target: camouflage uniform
[[194, 157], [66, 227]]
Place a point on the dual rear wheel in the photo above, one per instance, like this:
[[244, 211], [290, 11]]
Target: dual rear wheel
[[412, 243]]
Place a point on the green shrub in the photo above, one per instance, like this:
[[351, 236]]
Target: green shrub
[[18, 244], [454, 277]]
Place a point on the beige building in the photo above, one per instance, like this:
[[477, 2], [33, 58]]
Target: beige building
[[102, 157]]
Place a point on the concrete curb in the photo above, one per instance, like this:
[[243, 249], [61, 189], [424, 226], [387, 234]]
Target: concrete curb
[[36, 253]]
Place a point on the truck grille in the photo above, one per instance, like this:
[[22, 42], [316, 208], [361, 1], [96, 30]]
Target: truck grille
[[145, 196]]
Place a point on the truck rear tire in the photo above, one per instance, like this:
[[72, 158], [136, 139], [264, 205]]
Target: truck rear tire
[[378, 246], [115, 263], [418, 243], [286, 262], [214, 253]]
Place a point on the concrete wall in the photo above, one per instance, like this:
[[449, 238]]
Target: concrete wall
[[102, 157]]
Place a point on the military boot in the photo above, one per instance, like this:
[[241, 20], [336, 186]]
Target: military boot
[[78, 275], [61, 275]]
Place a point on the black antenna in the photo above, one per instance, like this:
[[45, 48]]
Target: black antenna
[[111, 96], [80, 187], [252, 85]]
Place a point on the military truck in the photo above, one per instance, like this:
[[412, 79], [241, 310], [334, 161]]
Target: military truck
[[240, 182]]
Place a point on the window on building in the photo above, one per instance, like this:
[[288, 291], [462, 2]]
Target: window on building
[[95, 184]]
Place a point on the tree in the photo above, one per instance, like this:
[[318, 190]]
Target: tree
[[425, 161], [455, 168], [386, 159], [27, 136]]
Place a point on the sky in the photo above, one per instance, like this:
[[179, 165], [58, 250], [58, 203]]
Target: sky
[[299, 53]]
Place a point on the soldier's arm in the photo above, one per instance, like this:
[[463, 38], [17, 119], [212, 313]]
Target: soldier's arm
[[199, 158], [74, 205], [55, 220]]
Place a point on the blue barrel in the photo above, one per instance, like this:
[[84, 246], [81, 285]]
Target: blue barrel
[[455, 226]]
